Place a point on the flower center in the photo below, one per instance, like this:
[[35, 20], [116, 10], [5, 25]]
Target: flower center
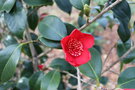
[[75, 47]]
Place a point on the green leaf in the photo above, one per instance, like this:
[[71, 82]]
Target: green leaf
[[103, 80], [64, 5], [123, 31], [61, 64], [38, 2], [28, 69], [78, 4], [127, 78], [100, 2], [123, 13], [6, 5], [50, 43], [69, 27], [9, 58], [130, 57], [52, 28], [123, 47], [93, 68], [50, 81], [9, 40], [35, 80], [32, 17], [73, 81], [16, 20], [81, 21]]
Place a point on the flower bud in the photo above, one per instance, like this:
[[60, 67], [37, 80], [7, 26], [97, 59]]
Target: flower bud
[[42, 16], [40, 67], [86, 10]]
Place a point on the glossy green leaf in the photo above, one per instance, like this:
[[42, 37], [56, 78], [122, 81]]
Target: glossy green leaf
[[64, 5], [127, 78], [123, 13], [9, 58], [123, 47], [28, 69], [50, 81], [73, 81], [70, 28], [130, 57], [52, 28], [35, 80], [6, 5], [103, 80], [100, 2], [32, 17], [38, 2], [16, 20], [81, 21], [9, 40], [50, 43], [78, 4], [61, 64], [123, 31], [93, 68]]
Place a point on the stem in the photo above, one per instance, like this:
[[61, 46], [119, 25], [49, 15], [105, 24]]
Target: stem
[[44, 53], [33, 51], [106, 59], [49, 68], [100, 14], [79, 81]]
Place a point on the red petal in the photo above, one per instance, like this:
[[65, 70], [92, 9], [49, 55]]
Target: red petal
[[76, 34], [77, 61], [70, 59], [64, 43], [84, 58], [87, 40]]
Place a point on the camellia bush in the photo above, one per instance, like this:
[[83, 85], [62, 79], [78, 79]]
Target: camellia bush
[[27, 37]]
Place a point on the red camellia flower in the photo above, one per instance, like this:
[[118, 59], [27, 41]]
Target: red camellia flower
[[76, 47]]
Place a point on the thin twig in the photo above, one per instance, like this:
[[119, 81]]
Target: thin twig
[[114, 72], [32, 49], [100, 14], [106, 59], [44, 53], [120, 59]]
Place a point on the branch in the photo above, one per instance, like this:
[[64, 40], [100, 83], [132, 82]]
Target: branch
[[106, 59], [49, 68], [78, 78], [100, 14], [120, 59], [33, 51], [44, 53]]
